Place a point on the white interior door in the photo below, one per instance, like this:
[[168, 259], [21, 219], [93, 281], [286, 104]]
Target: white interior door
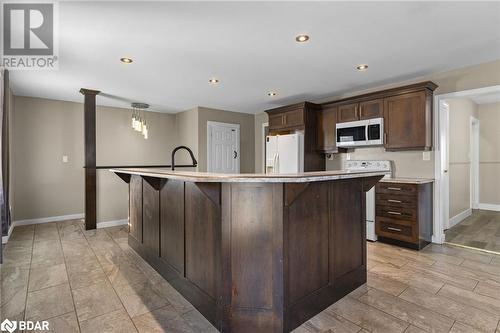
[[223, 147]]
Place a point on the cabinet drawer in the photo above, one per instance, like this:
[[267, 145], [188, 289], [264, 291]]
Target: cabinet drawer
[[395, 229], [403, 213], [396, 200], [395, 188]]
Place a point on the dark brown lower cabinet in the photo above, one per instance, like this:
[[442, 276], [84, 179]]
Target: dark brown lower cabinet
[[254, 257], [404, 214]]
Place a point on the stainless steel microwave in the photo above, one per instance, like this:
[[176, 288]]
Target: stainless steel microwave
[[369, 132]]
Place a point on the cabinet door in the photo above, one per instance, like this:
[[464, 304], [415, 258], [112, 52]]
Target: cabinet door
[[371, 109], [406, 122], [276, 121], [294, 118], [135, 227], [327, 119], [347, 112]]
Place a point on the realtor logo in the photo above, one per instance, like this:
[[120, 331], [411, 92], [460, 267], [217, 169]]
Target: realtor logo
[[8, 325], [29, 35]]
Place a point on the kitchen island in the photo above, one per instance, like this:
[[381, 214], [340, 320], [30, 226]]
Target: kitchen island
[[252, 252]]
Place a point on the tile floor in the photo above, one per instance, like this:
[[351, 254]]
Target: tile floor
[[480, 230], [91, 281]]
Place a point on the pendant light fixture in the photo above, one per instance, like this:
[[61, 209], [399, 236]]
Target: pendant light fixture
[[139, 118]]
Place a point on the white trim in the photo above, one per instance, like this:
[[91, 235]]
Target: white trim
[[17, 223], [474, 161], [264, 125], [460, 217], [48, 219], [486, 206], [6, 238], [114, 223], [439, 193], [209, 142]]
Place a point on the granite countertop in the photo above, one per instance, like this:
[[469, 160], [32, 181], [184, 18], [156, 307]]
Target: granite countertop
[[247, 177], [407, 180]]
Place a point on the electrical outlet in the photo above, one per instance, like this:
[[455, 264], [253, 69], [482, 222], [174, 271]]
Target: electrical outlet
[[65, 159], [426, 155]]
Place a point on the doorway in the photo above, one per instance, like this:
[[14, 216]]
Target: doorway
[[223, 147], [467, 201]]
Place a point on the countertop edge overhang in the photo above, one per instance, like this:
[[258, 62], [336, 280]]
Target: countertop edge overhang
[[204, 177]]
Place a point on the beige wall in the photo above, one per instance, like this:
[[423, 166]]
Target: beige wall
[[187, 135], [192, 129], [45, 130], [260, 119], [489, 153], [411, 164], [461, 111]]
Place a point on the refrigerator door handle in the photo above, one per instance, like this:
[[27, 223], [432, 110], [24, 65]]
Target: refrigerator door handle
[[274, 163], [277, 163]]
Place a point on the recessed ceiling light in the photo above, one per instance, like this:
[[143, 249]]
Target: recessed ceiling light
[[302, 38], [213, 81], [126, 60], [362, 67], [272, 93]]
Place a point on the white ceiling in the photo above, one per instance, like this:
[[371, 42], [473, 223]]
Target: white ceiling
[[251, 48]]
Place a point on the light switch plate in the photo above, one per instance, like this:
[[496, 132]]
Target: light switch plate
[[426, 155], [348, 156], [65, 159]]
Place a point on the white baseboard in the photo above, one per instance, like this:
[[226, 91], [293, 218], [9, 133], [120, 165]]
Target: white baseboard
[[6, 238], [438, 239], [48, 219], [486, 206], [460, 217], [107, 224], [104, 224]]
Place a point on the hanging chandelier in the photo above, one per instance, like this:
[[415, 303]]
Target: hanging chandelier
[[139, 118]]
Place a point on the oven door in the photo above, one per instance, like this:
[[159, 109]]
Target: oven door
[[352, 134]]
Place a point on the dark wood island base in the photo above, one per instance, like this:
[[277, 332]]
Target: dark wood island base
[[252, 255]]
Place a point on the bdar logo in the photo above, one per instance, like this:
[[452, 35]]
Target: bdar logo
[[8, 325]]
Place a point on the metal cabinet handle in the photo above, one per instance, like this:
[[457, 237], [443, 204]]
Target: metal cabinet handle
[[394, 213], [235, 154], [394, 188], [394, 229], [392, 200]]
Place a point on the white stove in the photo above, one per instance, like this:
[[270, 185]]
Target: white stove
[[383, 166]]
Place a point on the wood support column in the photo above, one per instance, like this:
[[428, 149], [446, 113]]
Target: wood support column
[[89, 126]]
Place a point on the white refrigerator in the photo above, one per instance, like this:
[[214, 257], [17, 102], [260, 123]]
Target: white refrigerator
[[285, 153]]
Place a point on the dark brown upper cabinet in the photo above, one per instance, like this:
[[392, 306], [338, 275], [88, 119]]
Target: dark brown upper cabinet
[[408, 121], [347, 112], [359, 111], [407, 113], [300, 117], [287, 118], [326, 134], [371, 109]]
